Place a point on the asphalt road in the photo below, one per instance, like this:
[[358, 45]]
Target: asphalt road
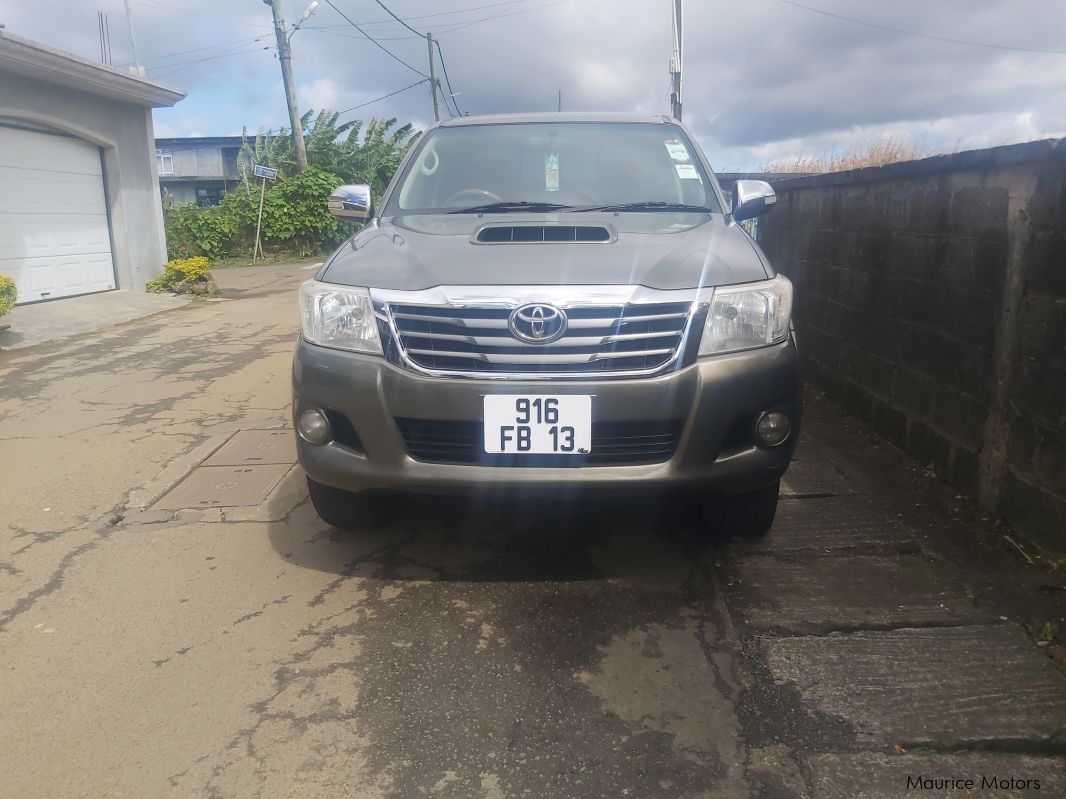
[[468, 649]]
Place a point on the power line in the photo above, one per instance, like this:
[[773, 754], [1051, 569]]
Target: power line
[[330, 32], [447, 80], [388, 11], [501, 15], [168, 69], [383, 97], [892, 29], [196, 50], [440, 53], [448, 27], [458, 11], [159, 6], [453, 26], [471, 8], [429, 16], [377, 43]]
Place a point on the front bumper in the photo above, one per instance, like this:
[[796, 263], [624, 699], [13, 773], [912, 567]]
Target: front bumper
[[710, 396]]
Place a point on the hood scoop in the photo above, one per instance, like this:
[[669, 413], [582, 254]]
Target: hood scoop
[[542, 234]]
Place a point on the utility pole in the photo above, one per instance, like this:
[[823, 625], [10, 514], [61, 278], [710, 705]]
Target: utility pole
[[433, 85], [137, 69], [675, 63], [285, 56]]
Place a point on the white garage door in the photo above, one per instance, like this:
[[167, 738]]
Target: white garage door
[[54, 239]]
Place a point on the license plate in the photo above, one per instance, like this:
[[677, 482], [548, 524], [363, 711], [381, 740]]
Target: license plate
[[538, 424]]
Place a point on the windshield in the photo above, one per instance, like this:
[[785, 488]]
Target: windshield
[[542, 167]]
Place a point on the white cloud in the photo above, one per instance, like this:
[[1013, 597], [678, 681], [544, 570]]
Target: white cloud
[[611, 81], [164, 131], [180, 125], [762, 79], [321, 93]]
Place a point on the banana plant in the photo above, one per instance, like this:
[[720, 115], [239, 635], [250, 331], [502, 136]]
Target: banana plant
[[355, 152]]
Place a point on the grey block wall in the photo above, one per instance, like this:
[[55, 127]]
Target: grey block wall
[[931, 301]]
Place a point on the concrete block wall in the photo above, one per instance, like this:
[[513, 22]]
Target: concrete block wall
[[931, 302]]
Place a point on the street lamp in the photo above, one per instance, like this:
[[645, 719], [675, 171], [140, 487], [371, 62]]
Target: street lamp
[[311, 9]]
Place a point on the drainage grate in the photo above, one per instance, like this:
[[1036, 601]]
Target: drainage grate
[[224, 486], [256, 447]]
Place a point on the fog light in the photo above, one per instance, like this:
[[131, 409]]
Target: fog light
[[313, 426], [773, 428]]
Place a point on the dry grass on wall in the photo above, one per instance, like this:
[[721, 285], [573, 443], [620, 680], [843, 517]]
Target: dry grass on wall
[[874, 152]]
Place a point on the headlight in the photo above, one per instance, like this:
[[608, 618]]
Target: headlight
[[341, 317], [747, 316]]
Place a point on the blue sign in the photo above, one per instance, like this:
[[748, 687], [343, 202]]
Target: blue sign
[[265, 172]]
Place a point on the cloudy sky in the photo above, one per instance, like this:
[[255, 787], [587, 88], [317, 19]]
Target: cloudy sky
[[763, 78]]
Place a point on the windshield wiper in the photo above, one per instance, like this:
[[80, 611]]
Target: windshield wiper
[[648, 206], [508, 207]]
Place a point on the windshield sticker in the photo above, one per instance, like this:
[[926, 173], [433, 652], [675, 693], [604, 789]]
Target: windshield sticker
[[687, 172], [677, 150], [551, 172]]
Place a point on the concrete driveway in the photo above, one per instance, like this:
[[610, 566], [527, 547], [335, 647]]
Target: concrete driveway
[[586, 650]]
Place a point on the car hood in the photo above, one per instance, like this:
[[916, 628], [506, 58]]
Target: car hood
[[657, 250]]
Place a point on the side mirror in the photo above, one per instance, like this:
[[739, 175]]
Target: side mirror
[[752, 198], [350, 202]]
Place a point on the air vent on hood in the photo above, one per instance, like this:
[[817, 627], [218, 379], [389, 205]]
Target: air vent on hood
[[539, 234]]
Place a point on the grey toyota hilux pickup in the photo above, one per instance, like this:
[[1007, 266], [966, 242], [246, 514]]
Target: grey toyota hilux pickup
[[550, 302]]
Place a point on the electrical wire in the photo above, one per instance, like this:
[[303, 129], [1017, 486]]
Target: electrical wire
[[168, 69], [460, 26], [330, 32], [450, 97], [383, 97], [460, 10], [879, 26], [451, 92], [388, 11], [471, 8], [448, 27], [467, 10], [195, 50], [159, 6], [447, 80], [372, 39]]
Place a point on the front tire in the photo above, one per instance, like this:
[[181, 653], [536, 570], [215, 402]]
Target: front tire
[[746, 516], [346, 510]]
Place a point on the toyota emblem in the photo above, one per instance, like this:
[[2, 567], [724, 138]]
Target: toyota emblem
[[537, 323]]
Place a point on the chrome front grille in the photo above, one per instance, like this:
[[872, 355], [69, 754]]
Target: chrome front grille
[[476, 340]]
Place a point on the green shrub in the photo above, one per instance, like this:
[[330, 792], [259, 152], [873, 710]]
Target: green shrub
[[295, 220], [192, 230], [299, 215], [8, 293]]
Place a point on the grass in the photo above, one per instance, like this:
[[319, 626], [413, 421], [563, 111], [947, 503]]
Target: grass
[[298, 260], [873, 152], [1045, 633]]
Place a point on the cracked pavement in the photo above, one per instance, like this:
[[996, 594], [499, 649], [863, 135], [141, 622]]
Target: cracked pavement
[[491, 650]]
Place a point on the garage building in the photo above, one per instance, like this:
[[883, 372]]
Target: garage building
[[79, 203]]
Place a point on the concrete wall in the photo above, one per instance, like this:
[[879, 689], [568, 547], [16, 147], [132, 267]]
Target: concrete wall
[[180, 192], [184, 191], [203, 161], [931, 301], [198, 162], [124, 133]]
